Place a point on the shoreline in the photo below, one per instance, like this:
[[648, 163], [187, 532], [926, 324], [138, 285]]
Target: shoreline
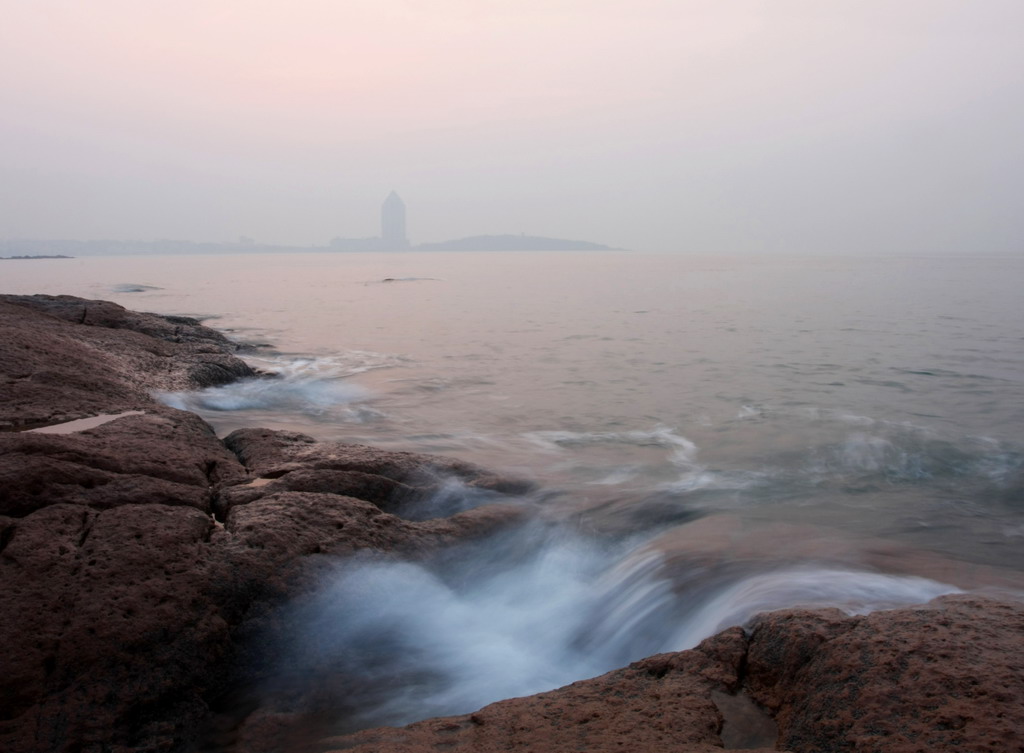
[[142, 557]]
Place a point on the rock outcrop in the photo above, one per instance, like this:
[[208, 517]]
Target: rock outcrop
[[135, 554], [52, 372]]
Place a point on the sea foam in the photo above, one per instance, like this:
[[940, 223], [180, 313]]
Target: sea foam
[[532, 611]]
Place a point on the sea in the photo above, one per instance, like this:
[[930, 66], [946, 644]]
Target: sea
[[710, 437]]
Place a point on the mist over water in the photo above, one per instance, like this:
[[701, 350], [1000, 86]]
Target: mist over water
[[711, 438]]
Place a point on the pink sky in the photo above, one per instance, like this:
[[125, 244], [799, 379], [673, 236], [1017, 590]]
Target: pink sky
[[785, 125]]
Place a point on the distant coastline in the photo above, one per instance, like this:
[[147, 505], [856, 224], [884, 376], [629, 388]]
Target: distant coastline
[[38, 256]]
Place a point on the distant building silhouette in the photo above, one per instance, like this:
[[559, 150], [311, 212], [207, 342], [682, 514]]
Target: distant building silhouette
[[392, 222], [392, 238]]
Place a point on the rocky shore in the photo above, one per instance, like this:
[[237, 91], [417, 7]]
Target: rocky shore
[[143, 561]]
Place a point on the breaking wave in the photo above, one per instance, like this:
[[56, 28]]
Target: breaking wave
[[683, 452], [313, 387], [530, 612]]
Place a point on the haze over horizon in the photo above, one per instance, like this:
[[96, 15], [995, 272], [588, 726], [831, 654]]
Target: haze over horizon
[[741, 126]]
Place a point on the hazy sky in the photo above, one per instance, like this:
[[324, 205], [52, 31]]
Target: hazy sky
[[701, 126]]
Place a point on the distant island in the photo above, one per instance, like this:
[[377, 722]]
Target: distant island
[[393, 238], [38, 256], [512, 243]]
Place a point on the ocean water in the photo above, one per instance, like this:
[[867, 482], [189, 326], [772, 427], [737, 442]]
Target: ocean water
[[711, 437]]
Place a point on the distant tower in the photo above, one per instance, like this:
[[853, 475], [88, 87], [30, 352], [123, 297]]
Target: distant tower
[[392, 222]]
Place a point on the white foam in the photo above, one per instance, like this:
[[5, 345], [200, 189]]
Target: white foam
[[310, 386], [748, 412], [345, 364], [684, 452], [855, 592], [510, 625], [308, 396]]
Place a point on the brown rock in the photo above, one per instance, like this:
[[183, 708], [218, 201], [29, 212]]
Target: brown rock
[[166, 456], [947, 676], [124, 602], [112, 625], [381, 491], [409, 485], [285, 525], [63, 358], [272, 454]]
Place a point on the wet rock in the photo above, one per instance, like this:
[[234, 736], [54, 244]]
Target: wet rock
[[283, 526], [177, 329], [393, 481], [381, 491], [111, 626]]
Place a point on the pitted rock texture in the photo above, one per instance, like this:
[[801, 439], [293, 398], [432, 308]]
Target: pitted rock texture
[[946, 676], [64, 358]]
